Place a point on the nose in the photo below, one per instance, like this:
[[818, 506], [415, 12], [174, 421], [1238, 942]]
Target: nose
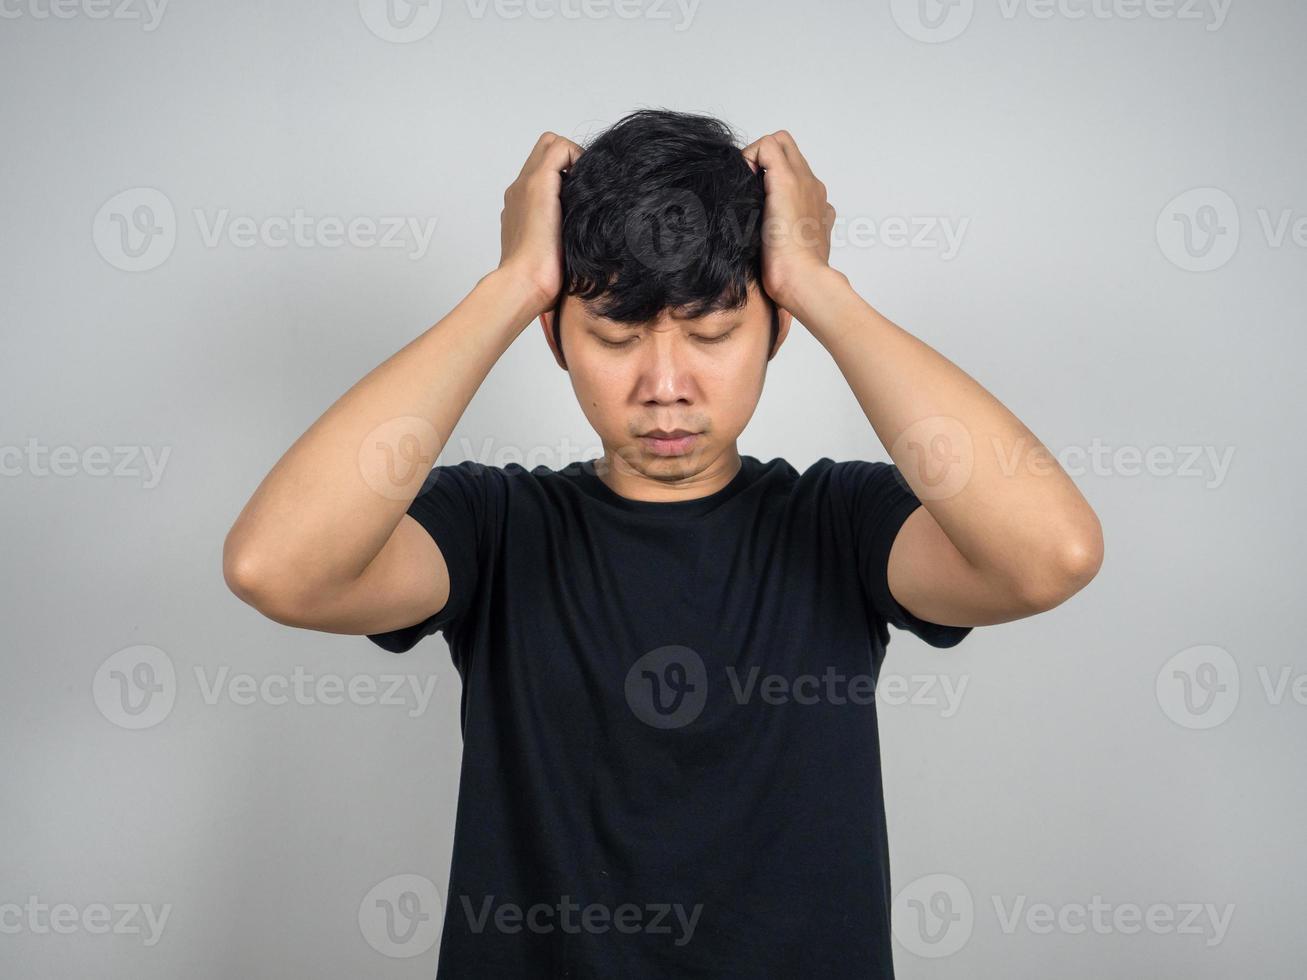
[[665, 375]]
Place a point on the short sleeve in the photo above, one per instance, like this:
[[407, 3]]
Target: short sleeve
[[878, 500], [455, 505]]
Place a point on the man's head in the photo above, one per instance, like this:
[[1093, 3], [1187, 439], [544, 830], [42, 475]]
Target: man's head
[[662, 255]]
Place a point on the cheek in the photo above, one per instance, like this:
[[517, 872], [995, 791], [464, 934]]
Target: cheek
[[733, 389], [600, 391], [737, 377]]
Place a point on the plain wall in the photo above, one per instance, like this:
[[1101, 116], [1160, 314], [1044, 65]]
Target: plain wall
[[1161, 371]]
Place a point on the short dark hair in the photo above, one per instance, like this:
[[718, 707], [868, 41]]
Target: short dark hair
[[661, 211]]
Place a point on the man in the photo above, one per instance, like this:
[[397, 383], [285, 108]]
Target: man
[[670, 764]]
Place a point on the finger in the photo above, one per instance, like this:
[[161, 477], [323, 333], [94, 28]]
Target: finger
[[533, 158], [546, 151], [790, 148], [561, 154], [750, 154], [766, 152]]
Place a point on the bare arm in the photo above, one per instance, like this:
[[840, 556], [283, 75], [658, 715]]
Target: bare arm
[[325, 541], [1003, 531]]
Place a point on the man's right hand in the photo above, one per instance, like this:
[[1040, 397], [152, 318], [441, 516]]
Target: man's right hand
[[531, 224]]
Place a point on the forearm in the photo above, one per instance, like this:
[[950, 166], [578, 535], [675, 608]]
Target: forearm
[[991, 485], [333, 499]]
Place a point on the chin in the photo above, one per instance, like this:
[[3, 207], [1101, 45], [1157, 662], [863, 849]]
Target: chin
[[680, 466]]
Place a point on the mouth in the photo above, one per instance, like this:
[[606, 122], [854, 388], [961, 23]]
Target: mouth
[[674, 442]]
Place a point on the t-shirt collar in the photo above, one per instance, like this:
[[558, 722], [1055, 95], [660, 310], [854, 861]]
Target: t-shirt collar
[[588, 480]]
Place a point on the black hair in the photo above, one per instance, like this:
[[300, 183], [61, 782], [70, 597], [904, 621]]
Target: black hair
[[661, 211]]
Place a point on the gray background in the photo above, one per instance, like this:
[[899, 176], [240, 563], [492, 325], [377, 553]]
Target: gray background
[[1072, 768]]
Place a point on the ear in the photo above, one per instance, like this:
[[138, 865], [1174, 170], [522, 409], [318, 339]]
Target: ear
[[783, 320], [547, 323]]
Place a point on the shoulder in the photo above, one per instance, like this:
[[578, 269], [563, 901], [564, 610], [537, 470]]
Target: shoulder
[[470, 472], [507, 483], [774, 472], [470, 485], [851, 477]]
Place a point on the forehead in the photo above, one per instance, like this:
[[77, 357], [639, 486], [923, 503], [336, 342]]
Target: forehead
[[576, 308]]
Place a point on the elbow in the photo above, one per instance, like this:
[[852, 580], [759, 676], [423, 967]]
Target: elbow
[[245, 575], [255, 583], [1075, 564]]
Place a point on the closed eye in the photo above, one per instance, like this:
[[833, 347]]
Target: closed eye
[[716, 340], [625, 343]]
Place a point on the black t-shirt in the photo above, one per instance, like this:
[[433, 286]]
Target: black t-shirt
[[671, 765]]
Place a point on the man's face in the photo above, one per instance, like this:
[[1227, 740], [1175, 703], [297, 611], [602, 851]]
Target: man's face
[[668, 398]]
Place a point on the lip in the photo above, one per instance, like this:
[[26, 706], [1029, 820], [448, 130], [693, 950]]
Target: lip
[[675, 442]]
